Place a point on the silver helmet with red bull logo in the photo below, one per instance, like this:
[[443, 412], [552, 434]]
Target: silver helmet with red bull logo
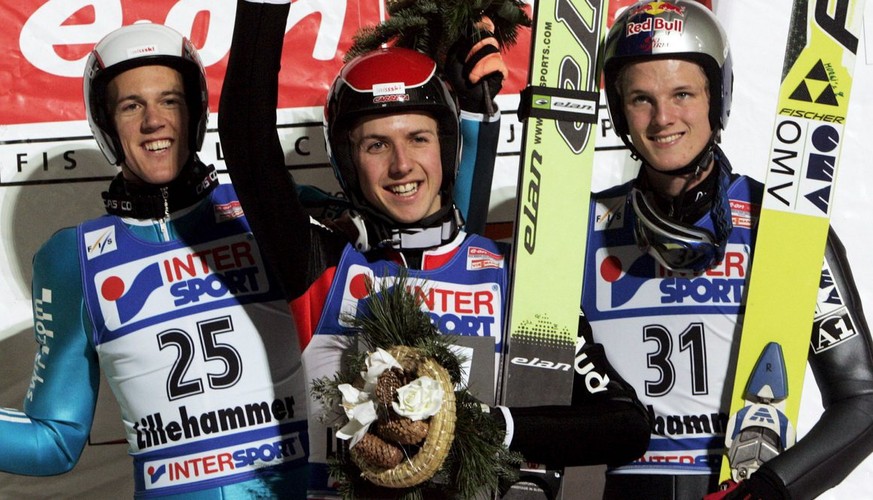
[[677, 29], [386, 81], [132, 46]]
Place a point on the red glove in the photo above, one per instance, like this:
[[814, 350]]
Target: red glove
[[723, 490], [475, 69], [485, 56], [762, 485]]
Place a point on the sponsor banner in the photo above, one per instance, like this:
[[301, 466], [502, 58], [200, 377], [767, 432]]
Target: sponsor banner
[[622, 291], [221, 463], [182, 278], [456, 309], [44, 136]]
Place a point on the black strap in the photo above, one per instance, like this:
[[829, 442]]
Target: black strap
[[558, 104]]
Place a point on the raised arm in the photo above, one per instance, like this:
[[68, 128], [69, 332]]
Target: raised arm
[[250, 142]]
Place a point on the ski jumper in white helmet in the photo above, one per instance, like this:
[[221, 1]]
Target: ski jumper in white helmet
[[175, 304]]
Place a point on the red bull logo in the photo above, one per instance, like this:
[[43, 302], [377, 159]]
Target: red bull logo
[[655, 24], [658, 8], [653, 14]]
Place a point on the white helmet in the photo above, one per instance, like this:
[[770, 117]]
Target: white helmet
[[137, 45]]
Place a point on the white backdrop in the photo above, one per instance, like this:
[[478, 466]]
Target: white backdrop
[[33, 205]]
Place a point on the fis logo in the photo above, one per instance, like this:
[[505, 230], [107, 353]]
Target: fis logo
[[454, 308], [609, 213], [137, 290], [100, 242]]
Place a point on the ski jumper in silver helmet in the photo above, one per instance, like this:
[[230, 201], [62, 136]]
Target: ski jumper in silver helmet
[[678, 29], [686, 30], [382, 82], [132, 46]]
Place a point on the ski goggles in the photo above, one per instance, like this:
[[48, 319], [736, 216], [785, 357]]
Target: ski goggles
[[676, 246]]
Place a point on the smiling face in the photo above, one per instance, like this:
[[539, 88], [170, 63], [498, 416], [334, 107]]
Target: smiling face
[[666, 103], [399, 166], [147, 106]]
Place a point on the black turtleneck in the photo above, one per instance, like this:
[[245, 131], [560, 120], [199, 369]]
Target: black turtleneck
[[155, 201], [689, 206]]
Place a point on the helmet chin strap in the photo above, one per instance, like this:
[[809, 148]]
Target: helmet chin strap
[[697, 166], [375, 230]]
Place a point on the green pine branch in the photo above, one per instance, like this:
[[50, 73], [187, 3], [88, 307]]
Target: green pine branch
[[433, 27]]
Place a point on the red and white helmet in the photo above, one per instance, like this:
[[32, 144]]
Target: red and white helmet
[[137, 45], [386, 81]]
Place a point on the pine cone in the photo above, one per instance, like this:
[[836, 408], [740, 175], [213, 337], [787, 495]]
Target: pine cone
[[387, 385], [403, 430], [373, 451]]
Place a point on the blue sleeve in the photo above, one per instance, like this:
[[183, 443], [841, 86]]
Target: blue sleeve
[[48, 435], [472, 192]]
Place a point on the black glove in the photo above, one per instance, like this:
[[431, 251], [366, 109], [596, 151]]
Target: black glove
[[475, 69]]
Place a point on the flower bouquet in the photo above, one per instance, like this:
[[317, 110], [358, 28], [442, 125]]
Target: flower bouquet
[[409, 426]]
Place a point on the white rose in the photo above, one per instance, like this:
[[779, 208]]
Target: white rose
[[419, 399]]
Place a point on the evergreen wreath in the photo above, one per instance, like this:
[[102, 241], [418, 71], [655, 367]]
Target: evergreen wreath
[[474, 458], [434, 26]]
